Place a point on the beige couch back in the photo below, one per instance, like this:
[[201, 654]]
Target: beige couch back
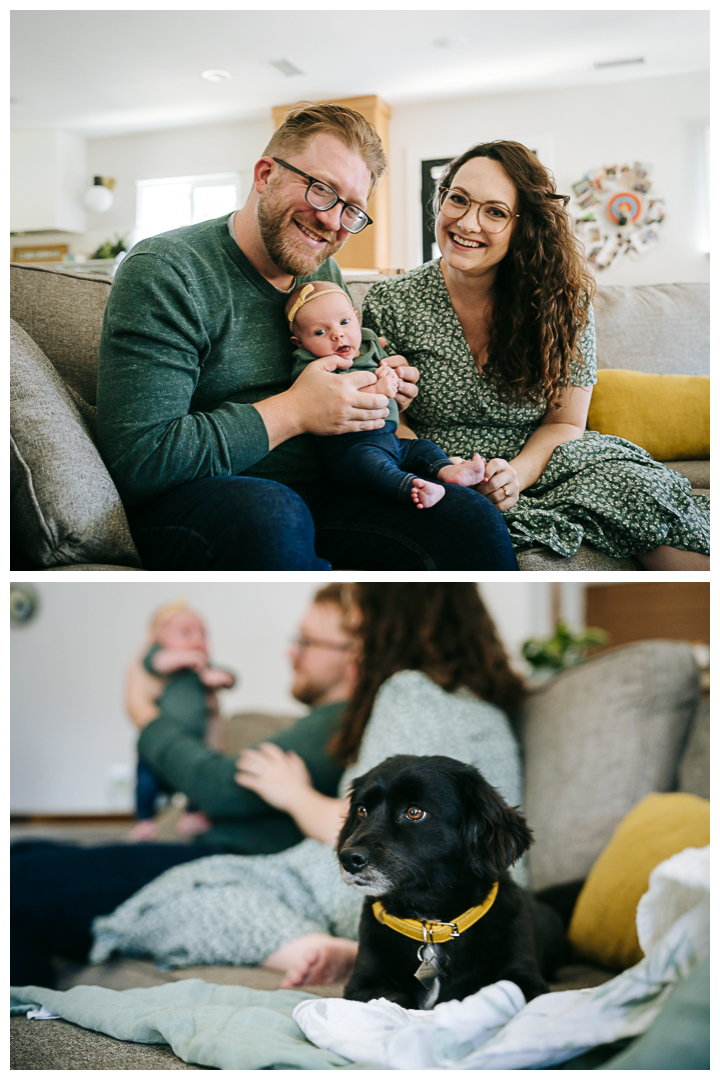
[[63, 314], [664, 329], [655, 328]]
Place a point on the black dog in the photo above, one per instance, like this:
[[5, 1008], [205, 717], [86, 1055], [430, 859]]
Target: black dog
[[430, 838]]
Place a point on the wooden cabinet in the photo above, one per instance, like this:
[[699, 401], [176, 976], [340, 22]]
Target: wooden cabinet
[[677, 610], [370, 249]]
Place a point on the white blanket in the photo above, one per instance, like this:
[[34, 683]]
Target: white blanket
[[496, 1029]]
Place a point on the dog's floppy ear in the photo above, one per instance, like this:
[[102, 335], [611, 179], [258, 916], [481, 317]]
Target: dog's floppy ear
[[347, 828], [495, 834]]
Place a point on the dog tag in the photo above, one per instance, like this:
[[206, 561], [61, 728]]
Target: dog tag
[[427, 973]]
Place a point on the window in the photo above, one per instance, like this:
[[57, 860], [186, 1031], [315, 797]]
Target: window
[[175, 201]]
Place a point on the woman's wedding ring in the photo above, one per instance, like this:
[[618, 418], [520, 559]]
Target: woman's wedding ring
[[507, 492]]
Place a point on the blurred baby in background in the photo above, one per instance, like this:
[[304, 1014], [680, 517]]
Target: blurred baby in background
[[177, 642]]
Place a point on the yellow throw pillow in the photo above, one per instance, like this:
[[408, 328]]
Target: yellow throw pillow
[[602, 928], [668, 415]]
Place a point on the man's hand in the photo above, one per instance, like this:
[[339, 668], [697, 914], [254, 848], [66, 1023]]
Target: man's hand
[[333, 405], [408, 378], [280, 779], [323, 403]]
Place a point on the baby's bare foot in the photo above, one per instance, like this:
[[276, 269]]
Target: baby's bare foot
[[465, 473], [314, 960], [425, 494], [145, 830], [193, 824]]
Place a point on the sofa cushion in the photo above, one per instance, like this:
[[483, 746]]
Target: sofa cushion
[[668, 415], [603, 927], [596, 740], [65, 508], [694, 767], [655, 328], [585, 558], [697, 472], [58, 1044], [63, 314]]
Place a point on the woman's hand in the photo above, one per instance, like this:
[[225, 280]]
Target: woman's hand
[[501, 484], [280, 778]]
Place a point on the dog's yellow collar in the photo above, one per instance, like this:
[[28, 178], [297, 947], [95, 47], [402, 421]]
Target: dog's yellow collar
[[435, 932]]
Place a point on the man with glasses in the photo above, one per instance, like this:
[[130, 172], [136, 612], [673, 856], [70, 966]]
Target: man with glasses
[[210, 446]]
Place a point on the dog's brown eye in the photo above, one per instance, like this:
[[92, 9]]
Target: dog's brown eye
[[361, 811], [415, 813]]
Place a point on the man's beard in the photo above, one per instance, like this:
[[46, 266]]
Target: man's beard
[[287, 256], [308, 692]]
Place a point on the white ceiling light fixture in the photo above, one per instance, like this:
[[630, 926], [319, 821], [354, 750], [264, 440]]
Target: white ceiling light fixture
[[99, 198], [215, 75]]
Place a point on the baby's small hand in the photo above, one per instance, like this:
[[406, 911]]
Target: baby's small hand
[[387, 383], [216, 677]]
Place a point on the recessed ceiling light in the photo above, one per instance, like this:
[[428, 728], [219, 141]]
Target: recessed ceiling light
[[286, 68], [215, 75], [448, 42]]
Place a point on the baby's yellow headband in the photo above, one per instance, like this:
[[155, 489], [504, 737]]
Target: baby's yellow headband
[[308, 293]]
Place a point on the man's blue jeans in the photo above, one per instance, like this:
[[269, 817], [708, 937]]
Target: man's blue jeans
[[56, 890], [243, 523]]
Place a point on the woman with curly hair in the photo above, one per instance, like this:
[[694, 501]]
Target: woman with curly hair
[[501, 329]]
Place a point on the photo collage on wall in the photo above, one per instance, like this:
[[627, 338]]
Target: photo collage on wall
[[616, 213]]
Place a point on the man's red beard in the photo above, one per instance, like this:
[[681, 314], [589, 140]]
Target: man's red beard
[[287, 255]]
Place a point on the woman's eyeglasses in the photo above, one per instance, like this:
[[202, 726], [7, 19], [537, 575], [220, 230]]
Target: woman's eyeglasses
[[492, 217], [322, 197]]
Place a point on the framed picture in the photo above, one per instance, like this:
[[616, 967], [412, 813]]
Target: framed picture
[[40, 253]]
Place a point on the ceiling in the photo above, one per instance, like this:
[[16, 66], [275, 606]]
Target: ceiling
[[112, 72]]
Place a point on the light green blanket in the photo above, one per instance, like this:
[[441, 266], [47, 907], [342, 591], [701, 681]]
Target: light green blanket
[[225, 1027]]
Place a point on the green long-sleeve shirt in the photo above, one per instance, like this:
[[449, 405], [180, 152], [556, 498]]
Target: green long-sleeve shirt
[[192, 335], [172, 746]]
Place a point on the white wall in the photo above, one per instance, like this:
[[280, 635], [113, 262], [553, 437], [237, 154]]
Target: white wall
[[211, 148], [660, 121], [68, 722], [191, 151], [68, 726]]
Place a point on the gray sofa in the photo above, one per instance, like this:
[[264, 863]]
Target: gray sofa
[[595, 741], [65, 510]]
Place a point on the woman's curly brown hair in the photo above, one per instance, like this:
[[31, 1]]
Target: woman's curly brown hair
[[543, 286], [442, 630]]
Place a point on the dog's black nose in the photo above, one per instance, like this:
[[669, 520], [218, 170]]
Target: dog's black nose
[[353, 859]]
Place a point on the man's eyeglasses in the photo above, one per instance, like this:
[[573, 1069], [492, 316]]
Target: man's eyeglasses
[[303, 643], [322, 197], [493, 217]]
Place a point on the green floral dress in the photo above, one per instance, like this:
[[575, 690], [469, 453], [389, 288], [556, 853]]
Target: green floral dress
[[600, 488]]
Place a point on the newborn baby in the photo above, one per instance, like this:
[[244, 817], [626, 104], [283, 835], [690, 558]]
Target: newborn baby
[[323, 323]]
